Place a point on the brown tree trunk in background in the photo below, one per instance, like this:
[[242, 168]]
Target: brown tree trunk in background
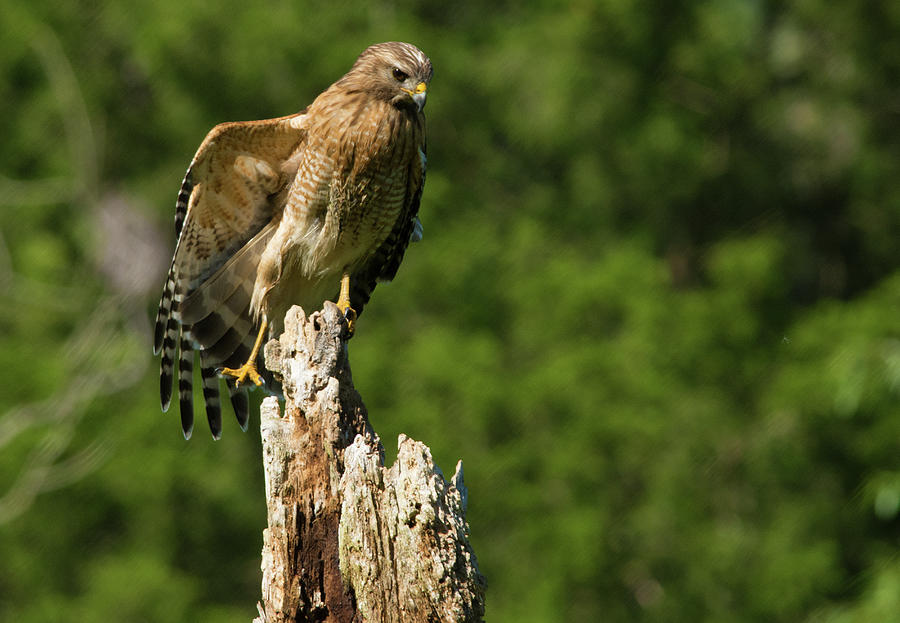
[[348, 539]]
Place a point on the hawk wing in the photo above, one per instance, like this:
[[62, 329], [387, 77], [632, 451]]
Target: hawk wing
[[223, 218], [384, 263]]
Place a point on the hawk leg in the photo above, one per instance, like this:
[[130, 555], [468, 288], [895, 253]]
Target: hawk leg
[[343, 304], [248, 370]]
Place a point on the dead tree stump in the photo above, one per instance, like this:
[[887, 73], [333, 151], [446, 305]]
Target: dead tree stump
[[348, 539]]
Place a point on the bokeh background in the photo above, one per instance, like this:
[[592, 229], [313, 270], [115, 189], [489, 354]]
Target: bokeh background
[[655, 311]]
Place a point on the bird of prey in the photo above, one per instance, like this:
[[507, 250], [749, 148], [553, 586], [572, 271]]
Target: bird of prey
[[293, 210]]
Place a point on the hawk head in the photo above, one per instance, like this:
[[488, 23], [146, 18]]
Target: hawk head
[[395, 72]]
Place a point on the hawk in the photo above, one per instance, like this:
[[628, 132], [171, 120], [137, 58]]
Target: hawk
[[293, 210]]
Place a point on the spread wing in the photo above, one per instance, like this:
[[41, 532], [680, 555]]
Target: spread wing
[[223, 218], [385, 262]]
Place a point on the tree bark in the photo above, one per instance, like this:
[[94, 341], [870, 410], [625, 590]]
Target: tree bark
[[348, 539]]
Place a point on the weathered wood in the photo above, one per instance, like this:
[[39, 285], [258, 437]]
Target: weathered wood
[[348, 539]]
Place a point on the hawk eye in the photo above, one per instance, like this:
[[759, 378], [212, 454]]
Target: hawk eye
[[399, 74]]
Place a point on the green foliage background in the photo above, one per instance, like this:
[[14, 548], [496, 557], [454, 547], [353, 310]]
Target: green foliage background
[[655, 310]]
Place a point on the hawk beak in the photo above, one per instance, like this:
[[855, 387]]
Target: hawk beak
[[418, 95]]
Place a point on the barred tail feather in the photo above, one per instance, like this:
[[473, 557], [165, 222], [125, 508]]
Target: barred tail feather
[[231, 341], [181, 203], [240, 402], [164, 313], [211, 397], [223, 339], [213, 319], [223, 329], [167, 363], [239, 398], [185, 384]]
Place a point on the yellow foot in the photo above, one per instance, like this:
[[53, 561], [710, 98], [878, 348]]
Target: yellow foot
[[248, 370], [343, 304]]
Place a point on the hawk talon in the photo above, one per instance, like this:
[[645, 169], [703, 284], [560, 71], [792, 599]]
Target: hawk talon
[[241, 374], [249, 368]]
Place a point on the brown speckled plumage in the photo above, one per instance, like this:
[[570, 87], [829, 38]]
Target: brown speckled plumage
[[271, 213]]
